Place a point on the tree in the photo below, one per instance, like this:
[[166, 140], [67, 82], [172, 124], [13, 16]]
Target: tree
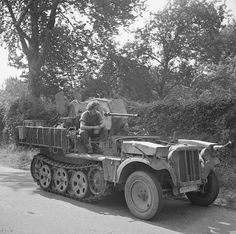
[[228, 40], [184, 33], [121, 76], [28, 27], [13, 90], [216, 80], [219, 79]]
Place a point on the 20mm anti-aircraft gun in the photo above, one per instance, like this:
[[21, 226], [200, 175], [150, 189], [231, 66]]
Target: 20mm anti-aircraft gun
[[146, 168]]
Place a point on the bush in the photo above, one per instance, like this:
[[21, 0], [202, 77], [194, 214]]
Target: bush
[[2, 111], [26, 108], [213, 120], [2, 124]]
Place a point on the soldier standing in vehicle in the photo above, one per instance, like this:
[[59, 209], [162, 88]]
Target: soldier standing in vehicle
[[92, 126]]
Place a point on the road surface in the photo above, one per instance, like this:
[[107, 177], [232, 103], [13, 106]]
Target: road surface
[[26, 209]]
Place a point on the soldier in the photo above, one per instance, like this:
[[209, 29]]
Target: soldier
[[92, 125]]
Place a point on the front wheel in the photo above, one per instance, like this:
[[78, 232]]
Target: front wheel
[[143, 195], [208, 194]]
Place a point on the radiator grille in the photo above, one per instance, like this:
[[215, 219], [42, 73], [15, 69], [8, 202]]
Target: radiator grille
[[189, 166]]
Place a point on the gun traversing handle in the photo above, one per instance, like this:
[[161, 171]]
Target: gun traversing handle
[[120, 114]]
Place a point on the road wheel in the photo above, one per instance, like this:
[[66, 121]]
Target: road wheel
[[34, 167], [45, 176], [143, 195], [79, 184], [208, 194], [61, 180], [97, 183]]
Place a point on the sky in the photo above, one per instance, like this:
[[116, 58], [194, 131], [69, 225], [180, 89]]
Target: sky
[[153, 5]]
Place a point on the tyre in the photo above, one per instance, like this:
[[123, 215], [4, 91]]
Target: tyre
[[143, 195], [209, 193], [34, 167]]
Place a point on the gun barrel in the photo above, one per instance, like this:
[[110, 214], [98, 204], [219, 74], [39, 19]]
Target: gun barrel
[[120, 114]]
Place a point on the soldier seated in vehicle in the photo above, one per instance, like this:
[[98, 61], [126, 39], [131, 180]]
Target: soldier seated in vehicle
[[92, 126]]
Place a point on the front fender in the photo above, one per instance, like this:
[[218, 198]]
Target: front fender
[[208, 162], [155, 163]]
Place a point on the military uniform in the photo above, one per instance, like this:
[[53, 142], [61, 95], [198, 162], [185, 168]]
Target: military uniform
[[92, 120]]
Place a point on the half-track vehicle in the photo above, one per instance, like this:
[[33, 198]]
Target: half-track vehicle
[[146, 168]]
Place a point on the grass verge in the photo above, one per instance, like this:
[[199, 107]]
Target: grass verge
[[14, 157]]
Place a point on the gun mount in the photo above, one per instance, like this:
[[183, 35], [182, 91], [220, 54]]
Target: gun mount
[[113, 111]]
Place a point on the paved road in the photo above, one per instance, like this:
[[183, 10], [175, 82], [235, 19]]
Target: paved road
[[25, 209]]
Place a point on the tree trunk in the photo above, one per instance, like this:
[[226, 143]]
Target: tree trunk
[[34, 79]]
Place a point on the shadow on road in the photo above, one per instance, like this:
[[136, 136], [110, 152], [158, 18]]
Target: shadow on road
[[17, 180], [177, 215], [182, 215]]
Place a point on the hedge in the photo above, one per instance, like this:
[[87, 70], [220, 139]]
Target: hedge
[[213, 120]]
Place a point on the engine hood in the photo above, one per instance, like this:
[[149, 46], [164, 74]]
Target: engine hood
[[144, 147]]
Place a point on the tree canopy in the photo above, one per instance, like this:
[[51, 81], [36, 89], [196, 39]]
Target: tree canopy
[[32, 29], [185, 54], [121, 76], [178, 37], [184, 49]]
